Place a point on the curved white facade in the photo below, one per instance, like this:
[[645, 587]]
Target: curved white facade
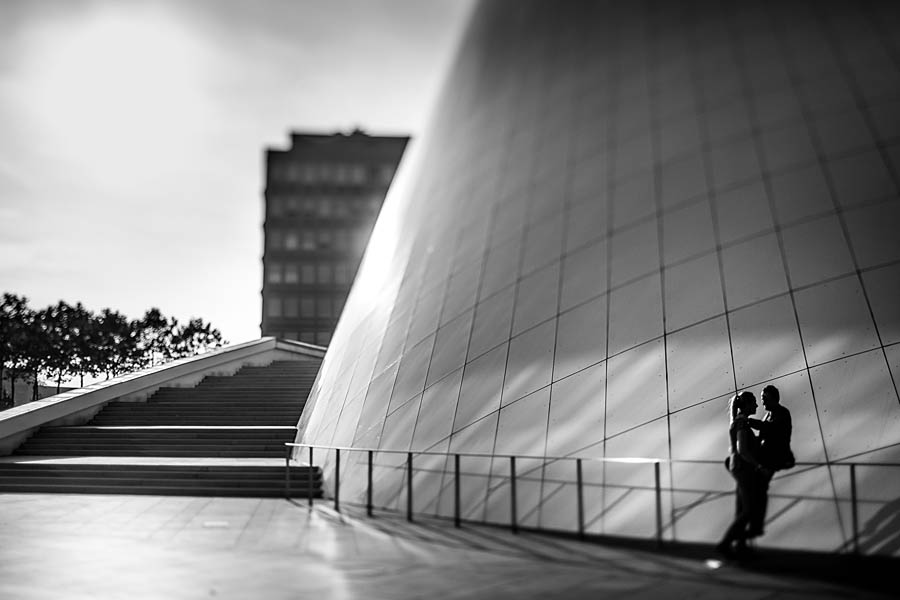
[[621, 214]]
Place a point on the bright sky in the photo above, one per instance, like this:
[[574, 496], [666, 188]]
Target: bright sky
[[132, 135]]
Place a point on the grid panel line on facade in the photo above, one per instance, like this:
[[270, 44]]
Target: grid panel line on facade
[[809, 121], [873, 131]]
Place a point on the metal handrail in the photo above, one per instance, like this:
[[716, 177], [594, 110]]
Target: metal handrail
[[637, 460], [514, 525]]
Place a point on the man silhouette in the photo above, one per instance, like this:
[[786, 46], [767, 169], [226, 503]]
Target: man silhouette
[[774, 450]]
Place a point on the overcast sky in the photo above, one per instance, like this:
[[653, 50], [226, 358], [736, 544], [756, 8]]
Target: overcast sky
[[132, 135]]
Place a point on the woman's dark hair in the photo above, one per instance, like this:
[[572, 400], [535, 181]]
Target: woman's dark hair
[[738, 402]]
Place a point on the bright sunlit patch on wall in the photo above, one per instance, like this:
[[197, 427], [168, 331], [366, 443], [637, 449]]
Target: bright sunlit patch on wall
[[107, 88], [388, 246]]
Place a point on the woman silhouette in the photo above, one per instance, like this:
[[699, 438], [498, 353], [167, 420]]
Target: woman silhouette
[[748, 473]]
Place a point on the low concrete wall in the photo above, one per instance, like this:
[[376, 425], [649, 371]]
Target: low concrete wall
[[79, 406]]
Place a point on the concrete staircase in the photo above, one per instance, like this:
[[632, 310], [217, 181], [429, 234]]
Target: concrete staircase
[[224, 437]]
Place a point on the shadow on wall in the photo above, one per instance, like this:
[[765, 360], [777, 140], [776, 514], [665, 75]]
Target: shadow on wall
[[623, 498], [881, 533]]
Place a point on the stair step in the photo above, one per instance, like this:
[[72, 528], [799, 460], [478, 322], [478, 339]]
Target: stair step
[[152, 480], [171, 419], [204, 406], [153, 410], [238, 389], [162, 437], [66, 467], [187, 431], [158, 431], [194, 421], [216, 404], [177, 417], [176, 444], [211, 408], [249, 415], [232, 394], [283, 386], [145, 444], [219, 399], [149, 414], [56, 439], [130, 451], [229, 395], [226, 491], [284, 379], [93, 448], [291, 381], [205, 480]]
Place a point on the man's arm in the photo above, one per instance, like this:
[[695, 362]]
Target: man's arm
[[763, 427]]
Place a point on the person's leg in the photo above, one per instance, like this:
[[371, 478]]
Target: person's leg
[[737, 531], [740, 506], [760, 494]]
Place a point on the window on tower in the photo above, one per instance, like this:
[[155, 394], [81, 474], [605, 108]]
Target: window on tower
[[291, 307], [323, 273], [273, 272], [273, 307], [307, 273], [291, 273]]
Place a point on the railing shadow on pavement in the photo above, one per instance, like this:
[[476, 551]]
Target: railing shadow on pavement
[[625, 482]]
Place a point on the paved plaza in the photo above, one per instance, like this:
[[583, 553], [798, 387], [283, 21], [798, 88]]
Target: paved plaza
[[153, 547]]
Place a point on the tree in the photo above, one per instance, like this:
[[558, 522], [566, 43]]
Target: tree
[[194, 337], [87, 323], [14, 315], [33, 349], [154, 334], [63, 325], [64, 341], [115, 344]]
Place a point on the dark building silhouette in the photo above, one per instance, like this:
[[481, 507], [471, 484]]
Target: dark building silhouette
[[322, 197]]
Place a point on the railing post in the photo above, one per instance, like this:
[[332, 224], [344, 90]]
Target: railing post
[[287, 471], [456, 517], [853, 508], [369, 495], [512, 495], [659, 521], [309, 478], [409, 486], [580, 492], [337, 480]]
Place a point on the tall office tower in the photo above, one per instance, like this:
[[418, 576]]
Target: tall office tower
[[322, 197], [622, 214]]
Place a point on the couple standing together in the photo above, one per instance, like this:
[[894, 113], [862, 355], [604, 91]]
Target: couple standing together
[[753, 460]]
